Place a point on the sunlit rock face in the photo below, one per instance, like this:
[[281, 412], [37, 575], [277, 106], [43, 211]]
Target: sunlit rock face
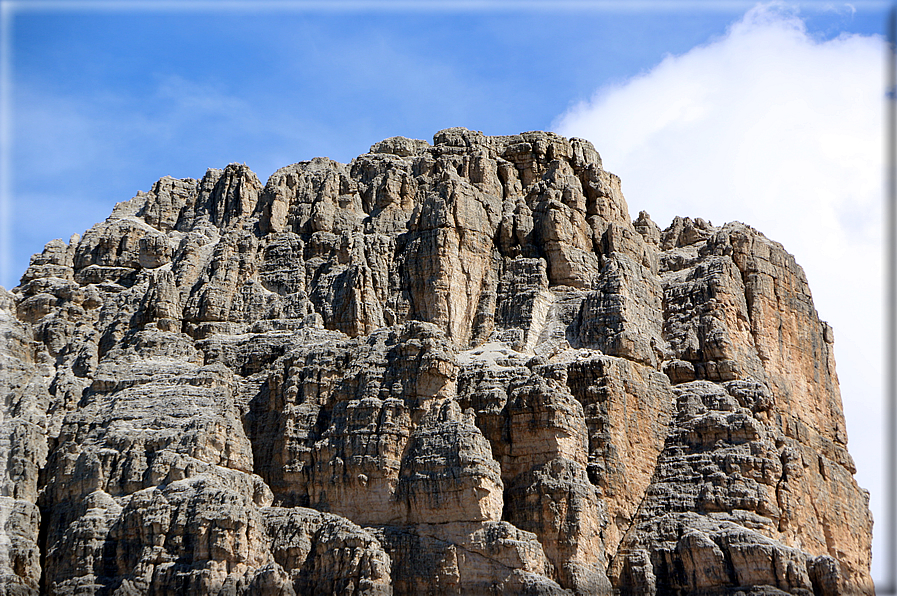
[[457, 368]]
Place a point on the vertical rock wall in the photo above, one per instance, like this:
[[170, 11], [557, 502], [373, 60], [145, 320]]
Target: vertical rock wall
[[451, 368]]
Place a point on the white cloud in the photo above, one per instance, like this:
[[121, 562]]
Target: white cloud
[[769, 126]]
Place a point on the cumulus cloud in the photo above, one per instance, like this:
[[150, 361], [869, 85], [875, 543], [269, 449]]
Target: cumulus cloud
[[770, 126]]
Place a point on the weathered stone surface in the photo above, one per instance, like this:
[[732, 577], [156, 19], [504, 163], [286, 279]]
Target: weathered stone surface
[[322, 553], [25, 374], [726, 474], [456, 368]]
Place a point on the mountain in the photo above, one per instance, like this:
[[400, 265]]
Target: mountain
[[457, 368]]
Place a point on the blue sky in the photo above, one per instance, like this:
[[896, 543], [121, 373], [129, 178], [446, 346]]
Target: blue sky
[[106, 99], [768, 114]]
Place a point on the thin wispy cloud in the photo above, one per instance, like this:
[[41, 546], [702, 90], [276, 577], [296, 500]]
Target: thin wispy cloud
[[185, 98]]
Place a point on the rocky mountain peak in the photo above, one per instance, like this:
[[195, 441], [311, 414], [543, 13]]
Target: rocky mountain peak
[[444, 368]]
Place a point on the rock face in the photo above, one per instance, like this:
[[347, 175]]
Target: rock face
[[456, 368]]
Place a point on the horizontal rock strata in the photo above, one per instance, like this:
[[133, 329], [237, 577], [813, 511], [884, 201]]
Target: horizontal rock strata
[[457, 368]]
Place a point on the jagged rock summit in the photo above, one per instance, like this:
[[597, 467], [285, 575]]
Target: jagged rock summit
[[456, 368]]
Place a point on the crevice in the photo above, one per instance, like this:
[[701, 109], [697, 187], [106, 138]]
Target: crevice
[[42, 536]]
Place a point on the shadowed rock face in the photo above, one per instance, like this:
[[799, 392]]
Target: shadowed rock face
[[456, 368]]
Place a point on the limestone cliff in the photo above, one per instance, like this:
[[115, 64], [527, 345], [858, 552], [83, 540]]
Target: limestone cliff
[[457, 368]]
